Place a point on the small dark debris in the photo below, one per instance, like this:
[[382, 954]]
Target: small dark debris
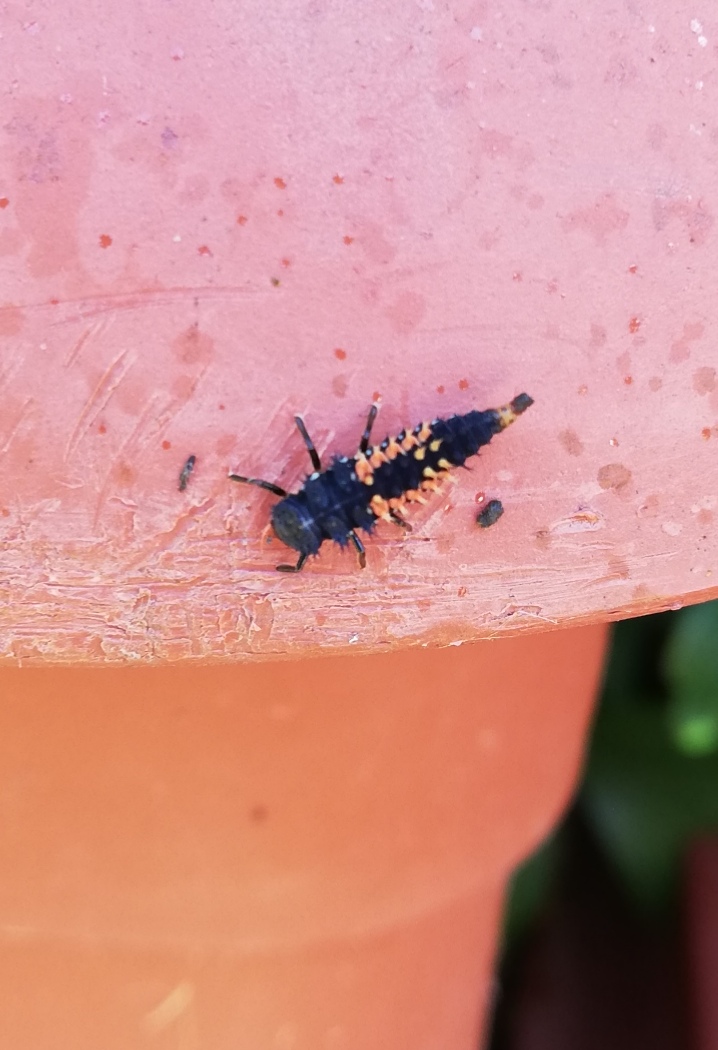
[[186, 471], [490, 514]]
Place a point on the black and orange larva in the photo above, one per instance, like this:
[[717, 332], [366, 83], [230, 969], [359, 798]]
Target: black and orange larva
[[377, 482]]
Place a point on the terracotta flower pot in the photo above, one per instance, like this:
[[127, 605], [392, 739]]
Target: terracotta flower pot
[[276, 855]]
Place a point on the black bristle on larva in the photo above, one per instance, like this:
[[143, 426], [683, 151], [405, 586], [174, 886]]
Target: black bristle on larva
[[379, 481]]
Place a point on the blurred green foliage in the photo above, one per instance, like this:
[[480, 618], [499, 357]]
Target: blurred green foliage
[[651, 774]]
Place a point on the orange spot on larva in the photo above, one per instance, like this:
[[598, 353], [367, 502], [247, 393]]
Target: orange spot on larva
[[341, 355], [204, 250], [286, 262], [4, 201], [440, 390], [339, 179], [634, 324], [5, 512], [280, 213], [280, 183], [166, 444], [105, 240], [583, 389], [628, 380], [102, 429], [347, 239], [463, 384], [462, 592], [54, 302], [376, 396], [221, 408], [241, 220], [633, 268], [706, 433]]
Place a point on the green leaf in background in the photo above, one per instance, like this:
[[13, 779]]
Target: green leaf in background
[[691, 668], [529, 888], [652, 778]]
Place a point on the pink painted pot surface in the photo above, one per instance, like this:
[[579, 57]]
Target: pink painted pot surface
[[213, 218]]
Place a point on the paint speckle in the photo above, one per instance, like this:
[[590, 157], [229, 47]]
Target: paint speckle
[[680, 348], [177, 54], [650, 508], [706, 433], [105, 240], [598, 336], [275, 281], [628, 380], [614, 476], [633, 268], [613, 442], [12, 320], [462, 592], [340, 386], [571, 442], [169, 138], [286, 263], [463, 384], [406, 312], [704, 380], [582, 390], [517, 276], [599, 220], [280, 183], [692, 216], [341, 355], [634, 325]]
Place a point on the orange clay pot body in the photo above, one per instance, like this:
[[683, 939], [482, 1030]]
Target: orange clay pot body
[[255, 858]]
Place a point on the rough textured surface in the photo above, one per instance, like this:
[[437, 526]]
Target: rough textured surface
[[269, 210]]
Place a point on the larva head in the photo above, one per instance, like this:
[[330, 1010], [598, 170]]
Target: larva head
[[294, 525]]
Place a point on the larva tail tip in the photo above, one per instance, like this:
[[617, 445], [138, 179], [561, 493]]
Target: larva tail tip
[[521, 403]]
